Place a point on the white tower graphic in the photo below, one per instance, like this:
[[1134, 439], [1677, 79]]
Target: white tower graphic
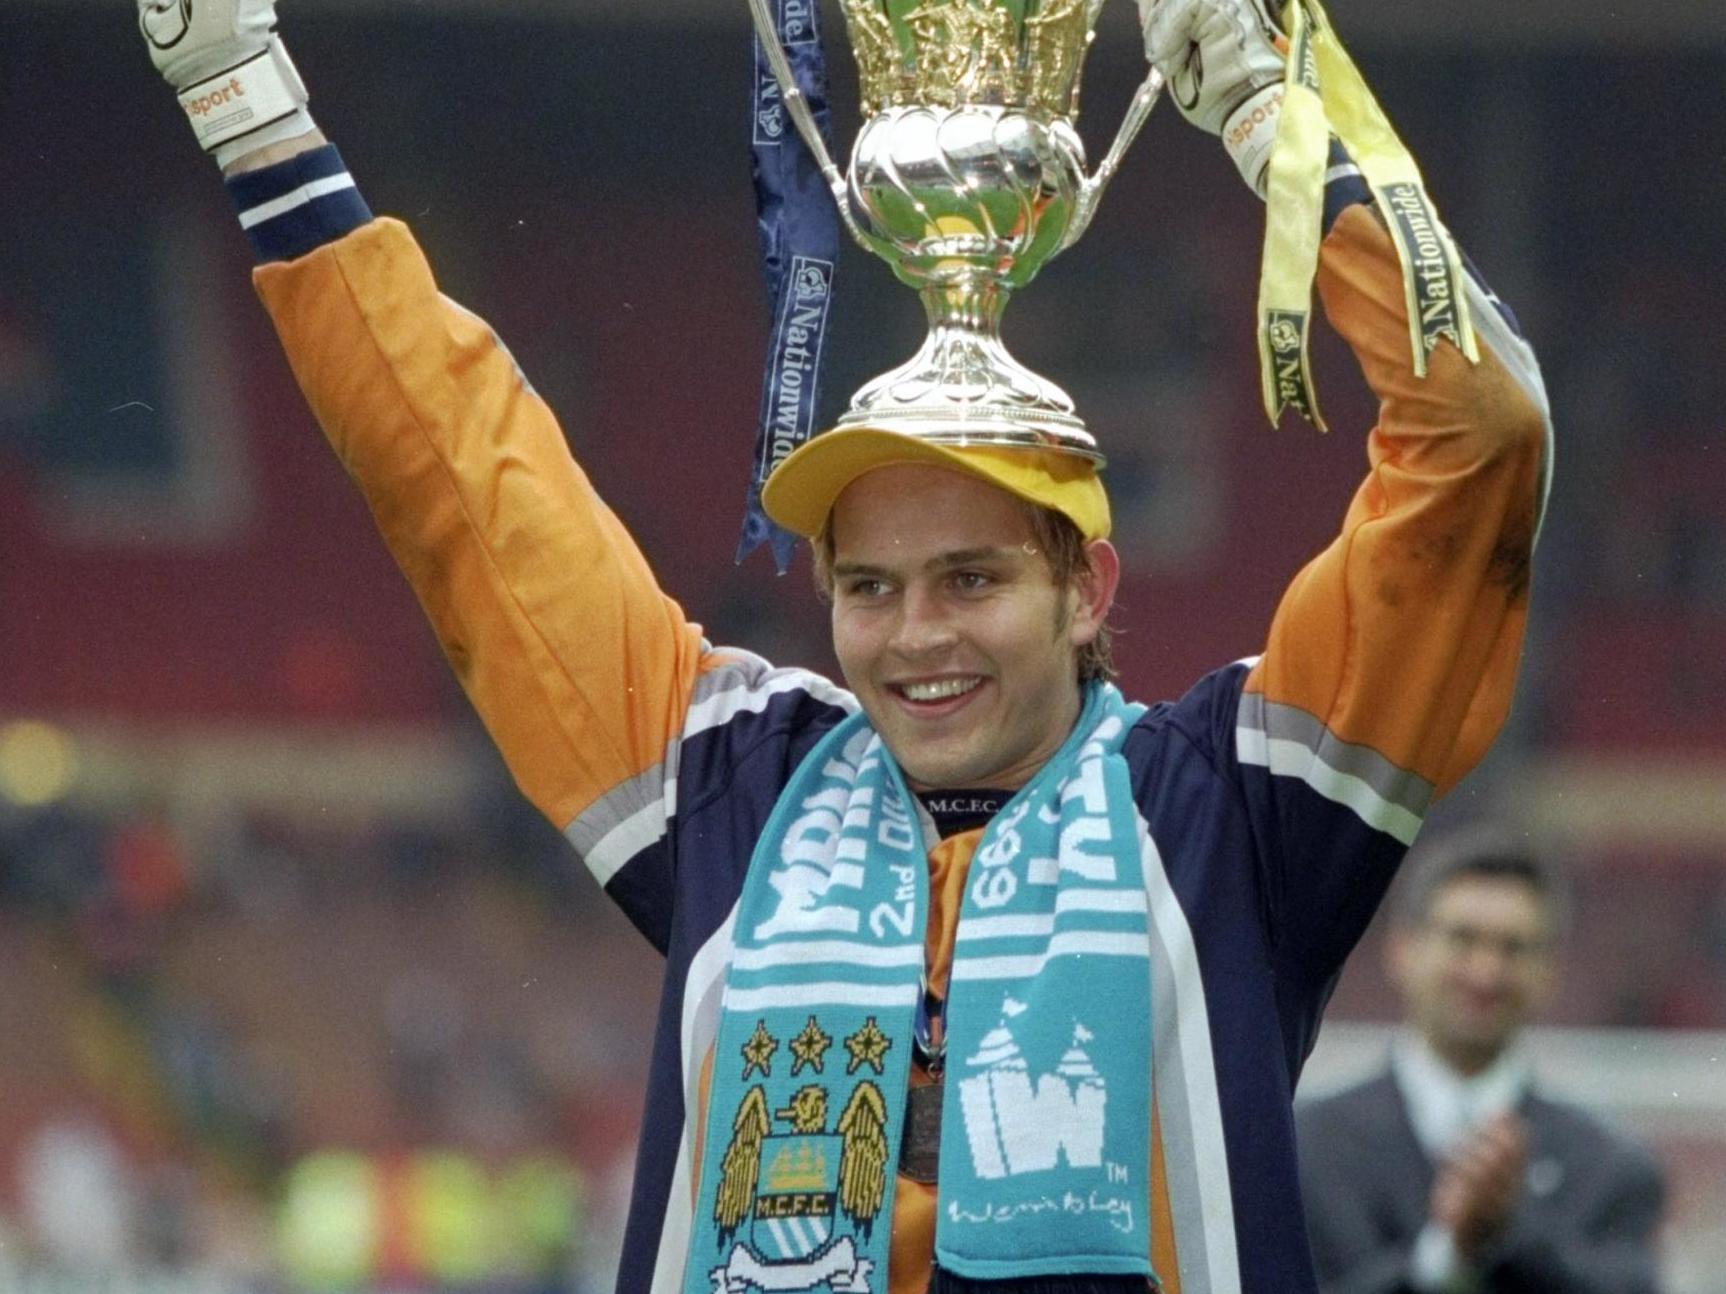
[[1014, 1127]]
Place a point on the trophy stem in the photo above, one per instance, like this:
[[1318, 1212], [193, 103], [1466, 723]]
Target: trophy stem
[[963, 387], [964, 356], [964, 352]]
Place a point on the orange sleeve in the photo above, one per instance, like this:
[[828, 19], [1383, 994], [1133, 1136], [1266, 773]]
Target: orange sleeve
[[580, 667], [1402, 637]]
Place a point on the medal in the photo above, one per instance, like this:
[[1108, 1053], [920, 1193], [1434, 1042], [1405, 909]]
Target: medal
[[920, 1146]]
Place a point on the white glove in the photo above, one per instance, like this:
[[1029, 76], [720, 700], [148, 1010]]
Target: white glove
[[1223, 60], [235, 80]]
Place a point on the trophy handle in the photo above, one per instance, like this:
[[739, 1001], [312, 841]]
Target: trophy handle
[[1091, 192], [798, 106]]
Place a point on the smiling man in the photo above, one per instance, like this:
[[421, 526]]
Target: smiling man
[[1451, 1170], [952, 628], [977, 973]]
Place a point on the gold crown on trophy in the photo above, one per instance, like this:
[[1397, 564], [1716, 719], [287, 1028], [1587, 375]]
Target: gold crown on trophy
[[944, 53]]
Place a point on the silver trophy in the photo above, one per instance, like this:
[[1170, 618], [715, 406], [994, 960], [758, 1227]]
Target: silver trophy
[[966, 177]]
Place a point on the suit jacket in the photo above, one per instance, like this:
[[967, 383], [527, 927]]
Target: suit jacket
[[1585, 1223]]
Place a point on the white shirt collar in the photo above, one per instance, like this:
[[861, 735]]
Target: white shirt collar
[[1443, 1105]]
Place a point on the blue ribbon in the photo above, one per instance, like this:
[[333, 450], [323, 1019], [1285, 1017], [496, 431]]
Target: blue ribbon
[[799, 231]]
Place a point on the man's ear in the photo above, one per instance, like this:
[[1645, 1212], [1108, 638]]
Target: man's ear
[[1095, 583]]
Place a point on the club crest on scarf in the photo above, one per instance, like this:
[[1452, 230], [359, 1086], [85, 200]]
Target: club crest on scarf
[[804, 1176]]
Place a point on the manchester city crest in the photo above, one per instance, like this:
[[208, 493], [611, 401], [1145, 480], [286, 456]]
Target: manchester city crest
[[803, 1179]]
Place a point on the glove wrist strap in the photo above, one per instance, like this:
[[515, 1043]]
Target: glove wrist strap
[[1250, 133], [257, 101]]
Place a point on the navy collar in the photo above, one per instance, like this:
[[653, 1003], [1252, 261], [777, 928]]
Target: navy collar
[[962, 810]]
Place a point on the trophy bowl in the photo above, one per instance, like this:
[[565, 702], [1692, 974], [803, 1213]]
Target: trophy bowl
[[975, 190]]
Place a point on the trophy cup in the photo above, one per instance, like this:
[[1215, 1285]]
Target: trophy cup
[[966, 177]]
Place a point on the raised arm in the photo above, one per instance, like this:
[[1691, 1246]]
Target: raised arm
[[580, 667], [1389, 664], [1402, 637], [1391, 660]]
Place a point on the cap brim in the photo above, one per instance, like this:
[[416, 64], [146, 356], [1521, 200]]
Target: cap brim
[[800, 493]]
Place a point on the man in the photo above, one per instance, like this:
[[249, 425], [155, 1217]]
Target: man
[[1115, 925], [1449, 1170]]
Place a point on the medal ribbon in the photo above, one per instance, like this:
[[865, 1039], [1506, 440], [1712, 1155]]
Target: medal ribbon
[[1432, 274], [1324, 94], [799, 236], [1294, 211]]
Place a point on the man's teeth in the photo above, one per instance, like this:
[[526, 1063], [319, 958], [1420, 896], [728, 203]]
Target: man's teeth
[[940, 690]]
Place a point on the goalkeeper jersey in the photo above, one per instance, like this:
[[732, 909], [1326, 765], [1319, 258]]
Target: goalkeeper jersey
[[1274, 798]]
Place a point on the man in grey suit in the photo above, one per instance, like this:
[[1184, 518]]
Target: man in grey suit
[[1448, 1172]]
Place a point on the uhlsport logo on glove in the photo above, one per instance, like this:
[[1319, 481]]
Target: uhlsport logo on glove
[[1224, 61], [235, 81], [203, 105], [166, 22]]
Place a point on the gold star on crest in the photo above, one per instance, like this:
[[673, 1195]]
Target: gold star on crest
[[758, 1051], [808, 1047], [867, 1047]]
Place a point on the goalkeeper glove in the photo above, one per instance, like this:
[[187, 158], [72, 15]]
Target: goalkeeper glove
[[1224, 62], [234, 78]]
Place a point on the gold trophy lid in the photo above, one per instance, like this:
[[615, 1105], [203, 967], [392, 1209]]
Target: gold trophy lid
[[944, 53]]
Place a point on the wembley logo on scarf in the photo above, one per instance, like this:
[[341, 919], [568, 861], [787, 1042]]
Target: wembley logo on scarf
[[1046, 1126]]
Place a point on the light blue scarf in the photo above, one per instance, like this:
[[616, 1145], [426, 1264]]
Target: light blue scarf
[[1045, 1122]]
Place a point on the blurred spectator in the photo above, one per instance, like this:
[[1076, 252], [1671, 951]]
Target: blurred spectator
[[540, 1212], [438, 1219], [1449, 1170], [77, 1189], [331, 1224]]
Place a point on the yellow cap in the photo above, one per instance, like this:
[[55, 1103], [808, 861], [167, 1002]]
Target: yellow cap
[[801, 491]]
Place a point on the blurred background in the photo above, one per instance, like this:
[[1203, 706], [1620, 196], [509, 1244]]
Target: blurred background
[[296, 994]]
